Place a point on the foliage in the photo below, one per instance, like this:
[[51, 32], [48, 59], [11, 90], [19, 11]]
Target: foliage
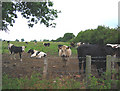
[[22, 40], [45, 40], [99, 83], [67, 37], [101, 35], [34, 12], [17, 40]]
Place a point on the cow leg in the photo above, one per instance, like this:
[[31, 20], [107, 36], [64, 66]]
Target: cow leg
[[10, 55], [80, 66], [101, 67], [64, 61], [20, 57], [84, 66], [14, 56]]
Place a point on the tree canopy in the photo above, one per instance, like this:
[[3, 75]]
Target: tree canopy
[[34, 12], [67, 37], [101, 35]]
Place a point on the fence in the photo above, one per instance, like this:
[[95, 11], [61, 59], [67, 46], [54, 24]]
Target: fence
[[109, 59]]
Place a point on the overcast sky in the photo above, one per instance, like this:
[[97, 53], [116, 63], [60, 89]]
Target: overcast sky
[[76, 15]]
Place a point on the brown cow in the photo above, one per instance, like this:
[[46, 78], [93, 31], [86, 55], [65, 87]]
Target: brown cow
[[65, 52]]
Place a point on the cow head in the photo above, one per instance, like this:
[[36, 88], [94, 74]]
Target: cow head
[[30, 51], [41, 54], [23, 48], [64, 51], [9, 46]]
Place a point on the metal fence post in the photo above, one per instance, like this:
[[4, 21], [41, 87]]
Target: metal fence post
[[108, 66], [45, 68], [88, 68]]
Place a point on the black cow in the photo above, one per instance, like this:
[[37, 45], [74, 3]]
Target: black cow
[[26, 42], [14, 49], [8, 42], [94, 51], [46, 44]]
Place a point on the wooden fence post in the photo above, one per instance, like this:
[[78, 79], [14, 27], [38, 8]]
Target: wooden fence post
[[88, 68], [108, 66], [45, 68]]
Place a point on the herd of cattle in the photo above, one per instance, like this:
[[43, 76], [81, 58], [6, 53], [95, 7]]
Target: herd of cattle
[[82, 50]]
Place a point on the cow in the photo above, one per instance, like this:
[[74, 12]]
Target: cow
[[118, 54], [37, 54], [14, 50], [46, 44], [113, 45], [65, 52], [35, 42], [26, 42], [116, 47], [8, 42], [59, 46], [94, 51], [72, 44], [79, 43]]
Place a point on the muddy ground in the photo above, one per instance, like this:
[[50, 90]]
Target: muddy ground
[[16, 68]]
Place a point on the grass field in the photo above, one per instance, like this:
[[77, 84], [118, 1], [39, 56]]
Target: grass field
[[51, 50]]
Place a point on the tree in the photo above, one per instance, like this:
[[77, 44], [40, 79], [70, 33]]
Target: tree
[[59, 39], [35, 41], [68, 36], [45, 40], [101, 35], [17, 40], [22, 40], [34, 12]]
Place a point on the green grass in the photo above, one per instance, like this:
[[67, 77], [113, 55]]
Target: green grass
[[52, 50], [36, 82], [66, 82]]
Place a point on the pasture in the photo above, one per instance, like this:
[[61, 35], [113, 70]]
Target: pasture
[[29, 71]]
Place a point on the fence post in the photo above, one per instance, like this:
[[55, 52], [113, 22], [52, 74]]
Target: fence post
[[108, 66], [88, 68], [45, 68]]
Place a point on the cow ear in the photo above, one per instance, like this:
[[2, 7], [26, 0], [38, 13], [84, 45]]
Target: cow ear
[[59, 47], [68, 47]]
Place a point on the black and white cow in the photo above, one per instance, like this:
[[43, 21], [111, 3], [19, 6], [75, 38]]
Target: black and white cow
[[14, 50], [113, 45], [37, 54], [72, 44], [94, 51], [116, 47]]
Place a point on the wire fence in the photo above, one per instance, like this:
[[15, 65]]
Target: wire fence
[[107, 60]]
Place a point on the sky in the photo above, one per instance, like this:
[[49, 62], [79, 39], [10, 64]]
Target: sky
[[75, 16]]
